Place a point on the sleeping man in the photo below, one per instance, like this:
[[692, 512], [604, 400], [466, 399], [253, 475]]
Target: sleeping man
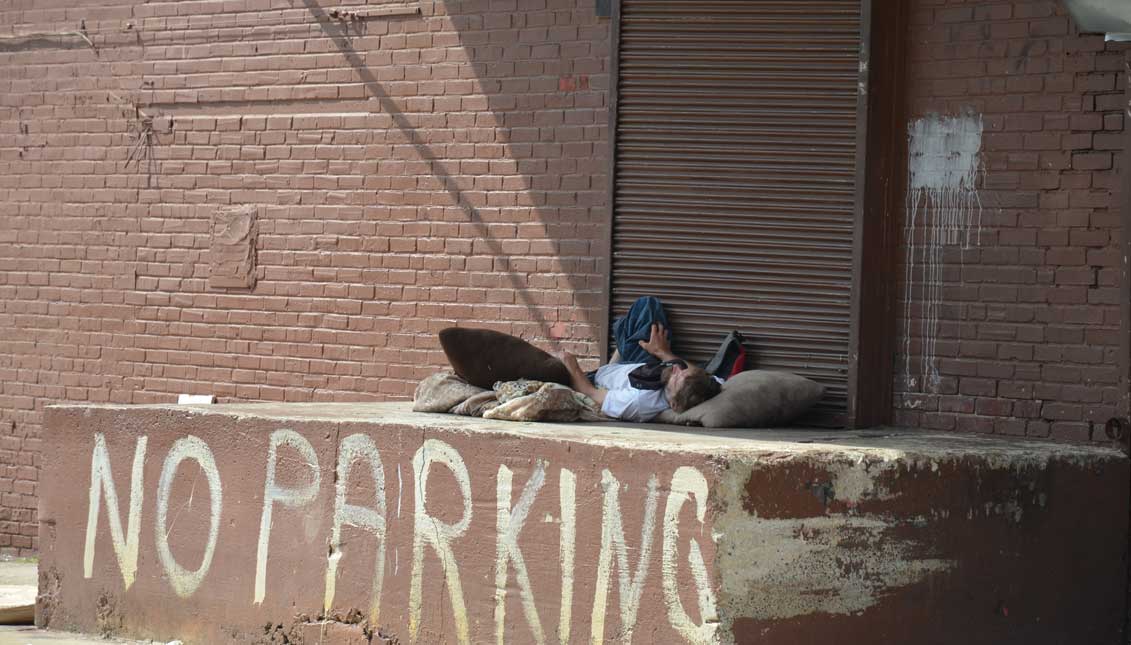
[[650, 378]]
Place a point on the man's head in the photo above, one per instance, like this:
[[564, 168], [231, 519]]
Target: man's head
[[687, 387]]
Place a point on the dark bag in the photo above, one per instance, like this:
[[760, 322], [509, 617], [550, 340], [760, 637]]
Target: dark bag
[[730, 359]]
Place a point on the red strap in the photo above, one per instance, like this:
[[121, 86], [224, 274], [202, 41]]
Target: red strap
[[739, 362]]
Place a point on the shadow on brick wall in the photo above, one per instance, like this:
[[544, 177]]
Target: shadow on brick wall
[[553, 180]]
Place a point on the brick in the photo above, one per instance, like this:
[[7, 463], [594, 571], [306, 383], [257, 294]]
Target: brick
[[1091, 161], [1054, 26], [994, 407], [1061, 411], [977, 387]]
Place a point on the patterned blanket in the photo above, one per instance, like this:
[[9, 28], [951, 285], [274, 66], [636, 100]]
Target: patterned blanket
[[521, 400]]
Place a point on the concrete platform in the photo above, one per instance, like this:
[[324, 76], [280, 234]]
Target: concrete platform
[[358, 523]]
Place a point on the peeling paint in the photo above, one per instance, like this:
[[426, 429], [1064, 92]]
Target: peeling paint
[[836, 564], [856, 481]]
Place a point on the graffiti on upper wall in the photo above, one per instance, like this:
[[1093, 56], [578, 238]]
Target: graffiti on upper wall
[[943, 209], [623, 558]]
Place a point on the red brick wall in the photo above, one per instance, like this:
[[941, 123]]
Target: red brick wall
[[1027, 331], [409, 172], [419, 170]]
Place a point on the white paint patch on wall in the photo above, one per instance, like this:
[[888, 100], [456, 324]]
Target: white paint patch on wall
[[856, 480], [943, 209]]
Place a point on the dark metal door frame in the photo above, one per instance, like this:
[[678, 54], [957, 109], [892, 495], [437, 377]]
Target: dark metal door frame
[[607, 250], [1124, 409], [880, 185], [881, 168]]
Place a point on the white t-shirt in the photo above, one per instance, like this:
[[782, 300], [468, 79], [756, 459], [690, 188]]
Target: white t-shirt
[[622, 401]]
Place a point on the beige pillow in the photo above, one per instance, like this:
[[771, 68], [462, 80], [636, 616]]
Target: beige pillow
[[441, 392], [753, 399]]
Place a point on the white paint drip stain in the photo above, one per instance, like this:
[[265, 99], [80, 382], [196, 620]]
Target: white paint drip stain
[[943, 209]]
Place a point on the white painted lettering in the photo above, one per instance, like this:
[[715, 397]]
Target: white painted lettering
[[102, 484], [687, 481], [508, 525], [438, 535], [567, 500], [185, 582], [613, 543], [292, 497], [354, 448]]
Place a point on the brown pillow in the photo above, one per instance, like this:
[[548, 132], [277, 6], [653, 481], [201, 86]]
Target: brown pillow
[[753, 399], [483, 356]]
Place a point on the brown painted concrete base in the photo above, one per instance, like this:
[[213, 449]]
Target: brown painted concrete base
[[313, 523]]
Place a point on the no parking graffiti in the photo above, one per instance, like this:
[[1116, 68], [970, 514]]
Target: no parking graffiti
[[440, 519]]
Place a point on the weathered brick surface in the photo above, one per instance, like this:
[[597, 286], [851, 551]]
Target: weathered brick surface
[[410, 171], [1027, 335]]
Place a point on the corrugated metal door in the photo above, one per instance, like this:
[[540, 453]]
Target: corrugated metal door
[[735, 177]]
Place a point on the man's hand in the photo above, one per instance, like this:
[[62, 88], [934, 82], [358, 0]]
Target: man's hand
[[571, 363], [579, 381], [657, 344]]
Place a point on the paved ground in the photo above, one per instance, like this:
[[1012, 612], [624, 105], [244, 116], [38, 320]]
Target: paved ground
[[18, 579], [28, 635], [18, 572]]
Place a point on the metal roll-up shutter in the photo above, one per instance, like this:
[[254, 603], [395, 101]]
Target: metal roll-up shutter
[[735, 177]]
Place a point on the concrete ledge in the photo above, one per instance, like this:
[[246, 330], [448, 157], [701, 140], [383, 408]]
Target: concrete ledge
[[321, 523]]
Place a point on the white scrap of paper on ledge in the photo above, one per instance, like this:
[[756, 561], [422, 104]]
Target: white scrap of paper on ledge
[[196, 398]]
